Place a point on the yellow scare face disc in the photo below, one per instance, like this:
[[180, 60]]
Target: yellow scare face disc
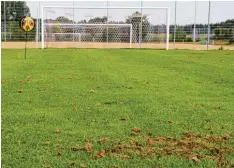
[[27, 24]]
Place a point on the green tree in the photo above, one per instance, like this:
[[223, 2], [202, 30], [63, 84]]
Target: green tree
[[14, 10], [96, 32], [140, 25], [63, 19], [98, 20], [223, 33], [11, 13], [180, 35]]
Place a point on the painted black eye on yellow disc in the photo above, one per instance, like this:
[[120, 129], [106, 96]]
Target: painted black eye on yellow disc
[[27, 24]]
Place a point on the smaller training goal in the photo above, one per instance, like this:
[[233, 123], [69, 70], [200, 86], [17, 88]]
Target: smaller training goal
[[88, 33]]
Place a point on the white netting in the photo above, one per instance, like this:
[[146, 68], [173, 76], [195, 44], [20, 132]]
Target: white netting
[[88, 32], [104, 27]]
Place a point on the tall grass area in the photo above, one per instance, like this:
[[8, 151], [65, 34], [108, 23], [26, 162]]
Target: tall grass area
[[58, 100]]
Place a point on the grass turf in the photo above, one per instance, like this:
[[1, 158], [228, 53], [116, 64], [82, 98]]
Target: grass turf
[[86, 92]]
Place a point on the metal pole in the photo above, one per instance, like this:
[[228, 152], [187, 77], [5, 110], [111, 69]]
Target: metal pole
[[140, 34], [131, 36], [208, 32], [194, 26], [39, 22], [175, 25], [73, 20], [168, 28], [42, 29], [107, 19], [37, 26], [140, 26], [4, 19], [25, 49]]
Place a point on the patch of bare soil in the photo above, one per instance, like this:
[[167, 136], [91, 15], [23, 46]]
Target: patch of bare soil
[[20, 45]]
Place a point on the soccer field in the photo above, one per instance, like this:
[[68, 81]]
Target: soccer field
[[117, 108]]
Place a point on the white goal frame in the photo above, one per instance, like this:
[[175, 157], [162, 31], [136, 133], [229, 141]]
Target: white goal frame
[[79, 7]]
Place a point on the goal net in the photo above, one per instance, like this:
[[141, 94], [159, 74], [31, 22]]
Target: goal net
[[88, 35], [105, 27]]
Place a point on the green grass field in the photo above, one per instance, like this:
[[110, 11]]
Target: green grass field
[[59, 100]]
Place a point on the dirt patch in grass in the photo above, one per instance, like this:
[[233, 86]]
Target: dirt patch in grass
[[103, 140], [191, 146], [88, 147]]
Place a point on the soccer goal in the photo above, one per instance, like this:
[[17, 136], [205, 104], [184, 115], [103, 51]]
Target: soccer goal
[[105, 27]]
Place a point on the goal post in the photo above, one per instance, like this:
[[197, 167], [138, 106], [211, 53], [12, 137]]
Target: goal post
[[150, 27]]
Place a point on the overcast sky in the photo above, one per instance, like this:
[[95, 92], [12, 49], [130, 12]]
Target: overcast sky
[[220, 11]]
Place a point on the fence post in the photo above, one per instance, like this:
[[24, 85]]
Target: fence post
[[107, 19], [140, 26], [42, 28], [37, 25], [208, 32], [194, 26], [4, 19], [175, 25], [168, 28], [73, 21]]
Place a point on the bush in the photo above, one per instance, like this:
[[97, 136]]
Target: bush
[[180, 35], [15, 33], [223, 33], [231, 41], [189, 39]]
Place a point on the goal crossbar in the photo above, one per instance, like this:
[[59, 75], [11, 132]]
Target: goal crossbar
[[89, 7]]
